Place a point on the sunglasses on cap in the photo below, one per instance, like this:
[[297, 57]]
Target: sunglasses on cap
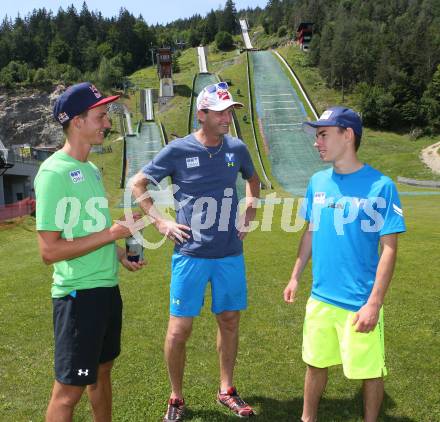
[[215, 87]]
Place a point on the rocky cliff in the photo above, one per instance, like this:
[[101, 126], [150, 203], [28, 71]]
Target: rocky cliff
[[26, 117]]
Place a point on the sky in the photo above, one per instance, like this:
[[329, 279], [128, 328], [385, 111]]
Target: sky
[[153, 11]]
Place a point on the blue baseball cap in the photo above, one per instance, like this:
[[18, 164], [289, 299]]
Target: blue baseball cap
[[337, 116], [78, 98]]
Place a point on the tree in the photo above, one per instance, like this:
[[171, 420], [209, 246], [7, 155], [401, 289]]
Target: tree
[[105, 50], [67, 24], [282, 31], [224, 41], [5, 53], [59, 51], [431, 102], [194, 38], [342, 54], [40, 77], [211, 27], [86, 20], [377, 106], [40, 28], [21, 45], [175, 62], [314, 53], [229, 21], [110, 72], [91, 56], [325, 48], [274, 16], [14, 72], [63, 73]]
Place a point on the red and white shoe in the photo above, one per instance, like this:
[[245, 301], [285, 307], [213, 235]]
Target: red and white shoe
[[175, 410], [234, 403]]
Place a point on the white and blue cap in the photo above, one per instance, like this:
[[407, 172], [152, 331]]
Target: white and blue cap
[[78, 98], [337, 116]]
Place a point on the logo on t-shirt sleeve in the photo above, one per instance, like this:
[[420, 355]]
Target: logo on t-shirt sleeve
[[192, 162], [398, 210], [76, 176], [319, 198]]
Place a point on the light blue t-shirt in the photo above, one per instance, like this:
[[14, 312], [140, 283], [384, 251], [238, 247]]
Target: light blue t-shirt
[[349, 213], [206, 198]]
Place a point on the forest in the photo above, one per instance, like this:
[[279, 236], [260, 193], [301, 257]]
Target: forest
[[387, 53]]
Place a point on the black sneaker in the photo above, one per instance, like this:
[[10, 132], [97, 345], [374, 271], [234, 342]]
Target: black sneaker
[[175, 411]]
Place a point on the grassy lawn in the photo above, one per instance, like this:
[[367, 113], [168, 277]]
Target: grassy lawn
[[269, 372], [269, 369], [145, 78], [396, 155]]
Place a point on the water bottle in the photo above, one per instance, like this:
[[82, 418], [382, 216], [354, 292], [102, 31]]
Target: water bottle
[[134, 250]]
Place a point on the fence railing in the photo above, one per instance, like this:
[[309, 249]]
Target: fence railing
[[17, 209]]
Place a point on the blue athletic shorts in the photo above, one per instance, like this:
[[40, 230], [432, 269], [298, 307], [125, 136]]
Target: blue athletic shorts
[[189, 278]]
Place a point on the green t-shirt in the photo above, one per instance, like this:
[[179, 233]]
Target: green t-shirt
[[71, 199]]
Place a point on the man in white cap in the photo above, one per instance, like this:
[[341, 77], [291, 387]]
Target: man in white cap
[[76, 235], [208, 242]]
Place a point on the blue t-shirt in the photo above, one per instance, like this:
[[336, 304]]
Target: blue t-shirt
[[348, 215], [204, 192]]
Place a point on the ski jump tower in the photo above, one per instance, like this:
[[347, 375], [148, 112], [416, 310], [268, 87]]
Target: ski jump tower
[[164, 69]]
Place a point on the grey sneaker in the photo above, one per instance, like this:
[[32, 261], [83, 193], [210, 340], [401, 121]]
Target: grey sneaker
[[175, 411]]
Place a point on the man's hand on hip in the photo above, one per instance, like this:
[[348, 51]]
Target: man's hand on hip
[[173, 231]]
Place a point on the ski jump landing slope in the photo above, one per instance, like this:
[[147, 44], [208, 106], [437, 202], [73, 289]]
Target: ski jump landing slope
[[141, 147], [280, 114]]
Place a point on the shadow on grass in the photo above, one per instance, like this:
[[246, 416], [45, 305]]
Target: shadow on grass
[[182, 90], [330, 410]]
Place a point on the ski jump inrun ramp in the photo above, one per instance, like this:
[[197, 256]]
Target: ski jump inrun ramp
[[244, 30], [203, 65]]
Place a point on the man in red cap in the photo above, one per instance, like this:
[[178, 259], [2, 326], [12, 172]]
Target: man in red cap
[[76, 234], [204, 167]]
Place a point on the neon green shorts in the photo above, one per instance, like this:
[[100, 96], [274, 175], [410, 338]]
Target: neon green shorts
[[329, 339]]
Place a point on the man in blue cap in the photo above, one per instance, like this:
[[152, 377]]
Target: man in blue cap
[[76, 234], [351, 209]]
